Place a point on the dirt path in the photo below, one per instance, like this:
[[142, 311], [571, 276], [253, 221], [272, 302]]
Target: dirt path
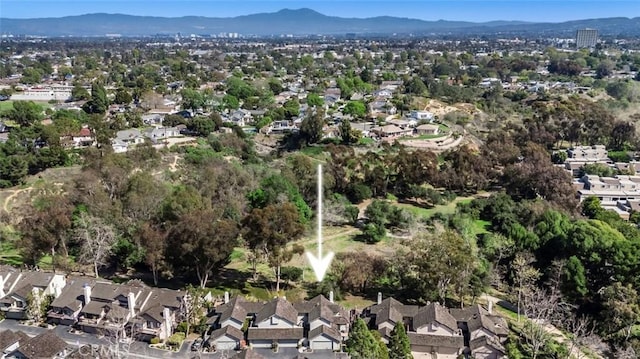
[[172, 166], [14, 193]]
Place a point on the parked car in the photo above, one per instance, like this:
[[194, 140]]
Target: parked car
[[197, 345]]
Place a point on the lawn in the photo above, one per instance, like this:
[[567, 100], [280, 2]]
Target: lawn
[[448, 208], [6, 105]]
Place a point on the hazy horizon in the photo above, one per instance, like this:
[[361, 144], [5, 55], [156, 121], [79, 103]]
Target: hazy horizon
[[430, 10]]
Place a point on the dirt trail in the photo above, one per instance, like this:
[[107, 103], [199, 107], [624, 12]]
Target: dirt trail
[[15, 192]]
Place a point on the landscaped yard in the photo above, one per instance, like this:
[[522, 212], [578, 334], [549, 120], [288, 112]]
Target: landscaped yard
[[5, 105]]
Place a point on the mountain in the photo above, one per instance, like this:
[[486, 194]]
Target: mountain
[[296, 22]]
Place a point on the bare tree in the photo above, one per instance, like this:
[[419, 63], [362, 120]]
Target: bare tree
[[582, 332], [524, 275], [191, 307], [541, 308], [115, 334], [96, 237]]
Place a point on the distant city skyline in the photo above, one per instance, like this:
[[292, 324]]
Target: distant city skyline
[[453, 10]]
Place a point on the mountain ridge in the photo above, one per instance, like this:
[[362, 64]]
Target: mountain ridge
[[303, 21]]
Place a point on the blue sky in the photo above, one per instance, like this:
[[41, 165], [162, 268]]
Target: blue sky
[[464, 10]]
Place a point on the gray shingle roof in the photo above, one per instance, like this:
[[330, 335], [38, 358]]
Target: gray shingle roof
[[392, 310], [275, 333], [72, 296], [229, 331], [436, 340], [328, 331], [434, 312], [279, 307], [45, 345]]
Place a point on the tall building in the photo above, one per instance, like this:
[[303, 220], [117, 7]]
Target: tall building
[[586, 38]]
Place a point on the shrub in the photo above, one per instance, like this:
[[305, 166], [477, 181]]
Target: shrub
[[358, 192], [155, 340], [176, 339], [292, 274]]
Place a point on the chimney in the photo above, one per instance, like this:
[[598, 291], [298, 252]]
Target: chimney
[[86, 288], [57, 290], [379, 297], [131, 304], [331, 296], [166, 313], [226, 297], [490, 307]]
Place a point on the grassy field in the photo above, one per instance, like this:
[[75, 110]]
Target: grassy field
[[448, 208], [6, 105]]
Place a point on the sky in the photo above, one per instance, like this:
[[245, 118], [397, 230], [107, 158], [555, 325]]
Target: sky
[[461, 10]]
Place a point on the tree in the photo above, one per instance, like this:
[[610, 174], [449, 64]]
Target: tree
[[201, 240], [311, 127], [524, 276], [268, 233], [347, 134], [192, 99], [79, 93], [153, 240], [203, 126], [621, 310], [98, 103], [96, 237], [399, 345], [356, 109], [45, 229], [314, 100], [191, 308], [362, 344], [123, 97], [24, 113]]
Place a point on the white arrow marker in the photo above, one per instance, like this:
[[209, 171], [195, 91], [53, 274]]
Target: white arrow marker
[[320, 264]]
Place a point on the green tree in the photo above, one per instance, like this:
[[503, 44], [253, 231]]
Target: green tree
[[79, 93], [24, 113], [192, 99], [399, 345], [311, 127], [347, 134], [269, 231], [202, 241], [123, 97], [356, 109], [98, 103], [362, 344], [314, 100]]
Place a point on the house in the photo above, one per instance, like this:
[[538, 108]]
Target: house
[[589, 153], [159, 318], [276, 324], [158, 134], [326, 323], [43, 346], [435, 331], [226, 338], [487, 348], [391, 131], [21, 287], [10, 341], [435, 319], [84, 138], [66, 308], [109, 307], [426, 345], [386, 313], [241, 117], [402, 123], [422, 115], [428, 129]]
